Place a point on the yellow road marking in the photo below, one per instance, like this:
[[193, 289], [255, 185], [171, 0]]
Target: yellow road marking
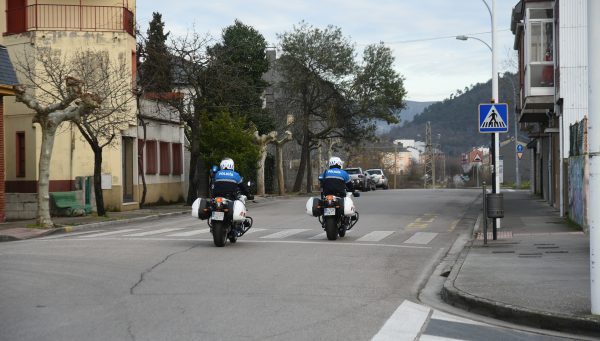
[[453, 225]]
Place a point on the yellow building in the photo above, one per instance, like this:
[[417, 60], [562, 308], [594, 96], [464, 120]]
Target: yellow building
[[78, 25]]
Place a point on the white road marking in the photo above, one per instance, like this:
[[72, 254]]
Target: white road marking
[[284, 233], [404, 324], [108, 233], [374, 236], [421, 238], [319, 236], [436, 338], [150, 233], [439, 315], [253, 230], [188, 233], [72, 234]]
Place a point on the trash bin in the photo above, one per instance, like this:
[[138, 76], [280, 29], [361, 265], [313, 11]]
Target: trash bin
[[495, 207]]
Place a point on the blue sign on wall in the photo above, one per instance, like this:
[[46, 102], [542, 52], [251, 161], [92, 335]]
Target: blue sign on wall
[[493, 118]]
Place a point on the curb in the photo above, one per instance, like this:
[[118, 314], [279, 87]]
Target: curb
[[512, 313]]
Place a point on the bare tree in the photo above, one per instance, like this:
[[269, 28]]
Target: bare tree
[[108, 80], [56, 97]]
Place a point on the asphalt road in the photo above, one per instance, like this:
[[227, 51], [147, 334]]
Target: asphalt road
[[164, 279]]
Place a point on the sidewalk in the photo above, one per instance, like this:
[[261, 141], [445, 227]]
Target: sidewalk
[[537, 273]]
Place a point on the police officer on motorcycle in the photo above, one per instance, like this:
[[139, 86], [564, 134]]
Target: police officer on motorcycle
[[335, 180], [228, 183]]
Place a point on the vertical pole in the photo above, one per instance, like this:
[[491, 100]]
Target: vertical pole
[[485, 219], [594, 149], [395, 163], [495, 97]]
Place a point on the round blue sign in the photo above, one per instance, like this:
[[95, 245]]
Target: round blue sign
[[519, 148]]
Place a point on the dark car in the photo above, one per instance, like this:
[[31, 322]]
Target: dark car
[[360, 179]]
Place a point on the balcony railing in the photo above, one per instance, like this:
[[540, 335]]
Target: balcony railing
[[69, 17]]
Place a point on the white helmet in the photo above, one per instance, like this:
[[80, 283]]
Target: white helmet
[[227, 164], [336, 161]]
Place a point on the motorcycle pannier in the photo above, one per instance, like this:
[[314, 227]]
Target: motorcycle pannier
[[311, 207], [200, 209]]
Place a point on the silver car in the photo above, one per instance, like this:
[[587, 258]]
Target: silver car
[[378, 177]]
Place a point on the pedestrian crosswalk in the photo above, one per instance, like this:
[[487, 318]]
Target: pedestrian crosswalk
[[259, 234]]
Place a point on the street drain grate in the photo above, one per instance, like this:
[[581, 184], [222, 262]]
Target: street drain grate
[[503, 252], [547, 247], [557, 251], [544, 244]]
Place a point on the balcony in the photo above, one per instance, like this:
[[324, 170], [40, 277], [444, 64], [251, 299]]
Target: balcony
[[53, 17]]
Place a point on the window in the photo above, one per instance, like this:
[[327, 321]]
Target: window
[[541, 47], [165, 159], [20, 149], [177, 166], [151, 157]]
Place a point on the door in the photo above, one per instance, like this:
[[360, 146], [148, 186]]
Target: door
[[127, 152]]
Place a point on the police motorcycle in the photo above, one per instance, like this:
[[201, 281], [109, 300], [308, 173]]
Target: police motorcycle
[[226, 218], [336, 214]]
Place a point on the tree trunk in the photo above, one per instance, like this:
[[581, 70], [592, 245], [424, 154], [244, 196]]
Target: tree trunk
[[280, 179], [308, 171], [140, 157], [43, 211], [98, 182], [193, 177], [260, 170], [302, 166]]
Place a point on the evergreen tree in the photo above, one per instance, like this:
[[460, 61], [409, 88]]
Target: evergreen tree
[[156, 68]]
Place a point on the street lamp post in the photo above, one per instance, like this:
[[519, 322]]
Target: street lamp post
[[496, 136]]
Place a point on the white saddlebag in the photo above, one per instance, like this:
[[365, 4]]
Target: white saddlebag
[[311, 207], [349, 209], [239, 211]]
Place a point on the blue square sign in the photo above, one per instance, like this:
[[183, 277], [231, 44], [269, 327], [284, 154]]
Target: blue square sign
[[493, 118]]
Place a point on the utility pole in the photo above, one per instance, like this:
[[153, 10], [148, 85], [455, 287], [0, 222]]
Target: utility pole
[[594, 149], [429, 176]]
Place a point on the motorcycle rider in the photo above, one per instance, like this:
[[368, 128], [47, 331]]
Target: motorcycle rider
[[228, 183], [335, 180]]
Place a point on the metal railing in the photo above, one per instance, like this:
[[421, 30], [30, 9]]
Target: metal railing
[[70, 17]]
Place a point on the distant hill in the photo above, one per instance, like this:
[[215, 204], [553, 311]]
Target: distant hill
[[455, 119], [412, 109]]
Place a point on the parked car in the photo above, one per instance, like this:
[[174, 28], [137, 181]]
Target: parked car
[[360, 179], [378, 177]]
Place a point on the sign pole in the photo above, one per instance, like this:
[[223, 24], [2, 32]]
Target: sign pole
[[495, 99]]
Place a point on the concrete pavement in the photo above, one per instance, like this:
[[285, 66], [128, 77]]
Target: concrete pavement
[[537, 273]]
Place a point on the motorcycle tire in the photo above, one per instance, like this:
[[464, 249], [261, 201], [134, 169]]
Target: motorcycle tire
[[219, 232], [331, 228], [342, 231], [232, 235]]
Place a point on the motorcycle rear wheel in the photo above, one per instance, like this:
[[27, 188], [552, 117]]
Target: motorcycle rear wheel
[[331, 228], [219, 233]]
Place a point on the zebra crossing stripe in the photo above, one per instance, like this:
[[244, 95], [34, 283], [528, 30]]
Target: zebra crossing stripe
[[319, 236], [150, 233], [404, 324], [421, 238], [436, 338], [108, 233], [284, 234], [253, 230], [374, 236], [188, 233]]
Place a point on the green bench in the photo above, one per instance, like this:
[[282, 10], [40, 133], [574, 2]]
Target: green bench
[[66, 204]]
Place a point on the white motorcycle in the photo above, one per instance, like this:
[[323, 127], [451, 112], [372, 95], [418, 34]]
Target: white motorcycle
[[336, 215], [226, 218]]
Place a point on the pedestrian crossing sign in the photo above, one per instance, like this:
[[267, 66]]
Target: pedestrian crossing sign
[[493, 118]]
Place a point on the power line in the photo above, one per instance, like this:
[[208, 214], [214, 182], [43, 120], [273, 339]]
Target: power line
[[434, 38]]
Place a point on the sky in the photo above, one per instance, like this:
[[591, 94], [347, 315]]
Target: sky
[[421, 33]]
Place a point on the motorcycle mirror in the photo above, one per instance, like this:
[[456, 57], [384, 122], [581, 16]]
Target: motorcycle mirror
[[356, 194]]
